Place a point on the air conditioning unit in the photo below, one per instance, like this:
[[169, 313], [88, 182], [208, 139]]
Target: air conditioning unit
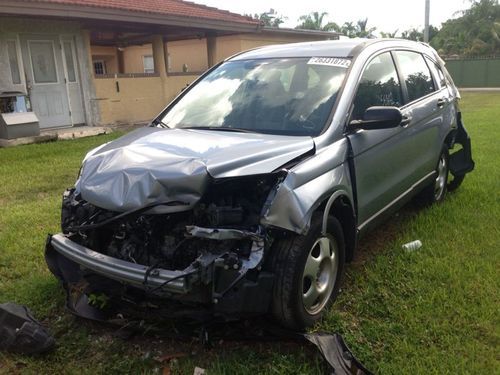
[[16, 117]]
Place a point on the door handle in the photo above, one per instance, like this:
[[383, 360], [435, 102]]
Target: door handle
[[405, 121], [441, 102]]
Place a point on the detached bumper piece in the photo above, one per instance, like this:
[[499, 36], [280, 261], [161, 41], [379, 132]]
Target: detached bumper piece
[[461, 161], [20, 332], [336, 353]]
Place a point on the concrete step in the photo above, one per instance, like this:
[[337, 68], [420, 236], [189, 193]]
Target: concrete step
[[55, 134]]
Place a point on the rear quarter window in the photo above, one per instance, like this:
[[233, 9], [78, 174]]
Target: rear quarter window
[[416, 74], [437, 72]]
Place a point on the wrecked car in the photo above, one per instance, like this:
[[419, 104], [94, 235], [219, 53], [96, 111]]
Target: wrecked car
[[248, 193]]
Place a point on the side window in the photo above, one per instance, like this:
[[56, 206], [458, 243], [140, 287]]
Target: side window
[[148, 63], [379, 86], [436, 72], [416, 74]]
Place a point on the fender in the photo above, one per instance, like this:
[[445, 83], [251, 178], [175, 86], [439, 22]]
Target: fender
[[308, 185]]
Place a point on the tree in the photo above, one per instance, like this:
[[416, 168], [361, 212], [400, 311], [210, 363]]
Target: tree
[[389, 34], [475, 33], [358, 30], [314, 21], [348, 29], [414, 34], [269, 19], [363, 32], [418, 35]]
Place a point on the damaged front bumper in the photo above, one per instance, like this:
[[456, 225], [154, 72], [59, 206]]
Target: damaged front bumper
[[125, 272], [223, 283]]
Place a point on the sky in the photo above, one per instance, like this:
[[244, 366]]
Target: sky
[[386, 15]]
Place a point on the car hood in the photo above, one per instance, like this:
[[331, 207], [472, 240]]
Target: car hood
[[154, 165]]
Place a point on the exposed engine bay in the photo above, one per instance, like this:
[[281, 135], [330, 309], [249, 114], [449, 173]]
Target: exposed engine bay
[[215, 247], [162, 240]]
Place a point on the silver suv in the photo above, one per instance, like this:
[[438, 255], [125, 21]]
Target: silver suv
[[248, 193]]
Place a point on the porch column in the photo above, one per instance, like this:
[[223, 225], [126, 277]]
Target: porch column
[[88, 49], [160, 63], [159, 55], [84, 58], [121, 60], [211, 50]]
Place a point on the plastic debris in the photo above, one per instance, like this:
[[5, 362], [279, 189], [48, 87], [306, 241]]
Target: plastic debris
[[20, 332], [413, 245]]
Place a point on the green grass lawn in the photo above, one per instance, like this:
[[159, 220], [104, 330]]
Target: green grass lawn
[[435, 310]]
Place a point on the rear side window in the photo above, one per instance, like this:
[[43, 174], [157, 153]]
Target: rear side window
[[416, 74], [379, 86]]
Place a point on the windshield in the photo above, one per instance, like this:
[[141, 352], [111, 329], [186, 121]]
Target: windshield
[[292, 96]]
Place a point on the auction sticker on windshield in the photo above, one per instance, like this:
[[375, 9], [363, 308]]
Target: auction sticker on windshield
[[330, 61]]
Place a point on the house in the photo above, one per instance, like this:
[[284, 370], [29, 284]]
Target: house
[[100, 62]]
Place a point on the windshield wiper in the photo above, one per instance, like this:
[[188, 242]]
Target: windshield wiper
[[159, 122], [220, 128]]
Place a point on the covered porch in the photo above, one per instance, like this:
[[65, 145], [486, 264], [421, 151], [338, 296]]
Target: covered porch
[[104, 62], [112, 62]]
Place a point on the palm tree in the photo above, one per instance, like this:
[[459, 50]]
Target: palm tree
[[314, 21], [363, 32], [348, 29], [389, 34]]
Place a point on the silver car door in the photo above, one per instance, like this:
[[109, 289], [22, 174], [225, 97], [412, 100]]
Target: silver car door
[[380, 157], [426, 108]]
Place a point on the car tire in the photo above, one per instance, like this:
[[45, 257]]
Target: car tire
[[435, 192], [308, 270]]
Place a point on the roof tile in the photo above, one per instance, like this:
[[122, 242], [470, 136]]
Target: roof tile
[[167, 7]]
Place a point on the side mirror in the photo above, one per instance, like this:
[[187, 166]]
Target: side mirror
[[378, 118]]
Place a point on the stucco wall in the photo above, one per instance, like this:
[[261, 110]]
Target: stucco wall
[[133, 58], [192, 52], [175, 84], [227, 46], [139, 99]]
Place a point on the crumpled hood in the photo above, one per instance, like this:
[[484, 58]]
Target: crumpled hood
[[152, 165]]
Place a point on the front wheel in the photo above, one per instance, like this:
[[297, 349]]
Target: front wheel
[[308, 272]]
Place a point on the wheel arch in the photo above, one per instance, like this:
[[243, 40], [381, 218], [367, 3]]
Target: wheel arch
[[340, 206]]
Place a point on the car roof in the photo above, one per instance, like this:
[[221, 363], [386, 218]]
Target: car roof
[[326, 48]]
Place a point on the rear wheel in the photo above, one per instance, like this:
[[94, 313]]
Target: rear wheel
[[436, 191], [308, 271]]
